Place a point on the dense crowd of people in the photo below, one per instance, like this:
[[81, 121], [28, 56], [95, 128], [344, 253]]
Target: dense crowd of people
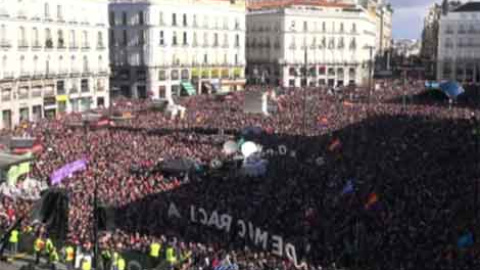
[[366, 182]]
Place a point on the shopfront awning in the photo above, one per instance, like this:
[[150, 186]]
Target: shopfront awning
[[189, 88]]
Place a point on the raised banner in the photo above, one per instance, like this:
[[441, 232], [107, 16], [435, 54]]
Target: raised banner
[[57, 176]]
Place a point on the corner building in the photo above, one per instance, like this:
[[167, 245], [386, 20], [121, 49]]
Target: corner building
[[336, 38], [163, 48], [53, 57]]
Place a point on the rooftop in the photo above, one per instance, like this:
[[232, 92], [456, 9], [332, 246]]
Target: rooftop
[[468, 7], [287, 3]]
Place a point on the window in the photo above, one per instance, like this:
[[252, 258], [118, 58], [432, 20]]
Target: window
[[174, 39], [236, 59], [47, 11], [113, 42], [35, 65], [215, 39], [205, 39], [174, 19], [124, 18], [225, 40], [22, 39], [85, 39], [36, 41], [61, 41], [3, 33], [324, 26], [237, 24], [141, 17], [141, 37], [48, 39], [195, 42], [85, 64], [59, 13], [22, 65], [205, 58], [162, 39], [125, 38], [162, 91], [111, 18], [237, 40], [160, 18], [162, 75], [100, 39], [185, 41], [72, 39], [292, 26], [194, 20], [354, 28], [341, 27], [305, 26], [60, 65], [185, 20]]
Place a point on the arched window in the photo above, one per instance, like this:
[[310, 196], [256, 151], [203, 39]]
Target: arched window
[[35, 65], [3, 33], [85, 39], [72, 39], [100, 39], [47, 10], [22, 65], [61, 42], [36, 41], [61, 70], [85, 64], [22, 38], [47, 65]]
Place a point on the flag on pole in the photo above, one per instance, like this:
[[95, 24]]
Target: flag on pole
[[372, 200], [465, 240], [348, 188], [334, 145]]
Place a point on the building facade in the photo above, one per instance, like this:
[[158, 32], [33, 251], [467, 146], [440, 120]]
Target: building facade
[[161, 48], [430, 34], [336, 42], [459, 44], [54, 58]]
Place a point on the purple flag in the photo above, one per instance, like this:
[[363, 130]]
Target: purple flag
[[57, 176]]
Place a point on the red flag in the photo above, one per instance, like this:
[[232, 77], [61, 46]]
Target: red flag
[[372, 199], [334, 145]]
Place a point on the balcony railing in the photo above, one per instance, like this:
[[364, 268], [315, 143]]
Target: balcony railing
[[100, 47], [85, 46], [7, 75], [24, 74], [5, 44], [73, 90], [36, 45], [22, 44], [36, 92]]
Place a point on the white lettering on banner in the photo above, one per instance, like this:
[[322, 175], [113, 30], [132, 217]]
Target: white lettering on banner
[[203, 219], [277, 245], [173, 211], [213, 221], [243, 230], [223, 222], [261, 238], [291, 253]]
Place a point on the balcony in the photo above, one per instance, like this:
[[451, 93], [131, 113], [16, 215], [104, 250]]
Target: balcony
[[5, 44], [7, 75], [36, 46], [85, 46], [36, 92], [102, 72], [63, 73], [22, 95], [24, 75], [22, 44], [37, 75], [73, 90], [61, 44], [100, 47], [73, 46]]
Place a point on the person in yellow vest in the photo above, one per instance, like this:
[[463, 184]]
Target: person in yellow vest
[[38, 247], [115, 258], [171, 256], [49, 247], [69, 257], [53, 258], [86, 264], [121, 264], [13, 242], [154, 254]]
